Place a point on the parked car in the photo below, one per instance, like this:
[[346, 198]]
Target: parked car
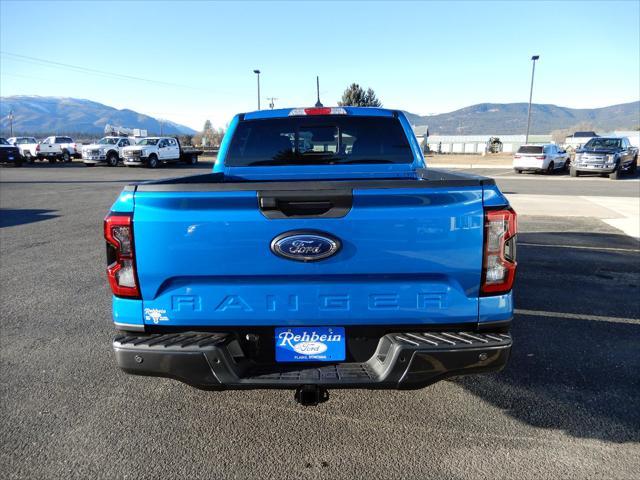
[[313, 269], [107, 150], [27, 146], [606, 155], [152, 151], [540, 158], [58, 148], [9, 153]]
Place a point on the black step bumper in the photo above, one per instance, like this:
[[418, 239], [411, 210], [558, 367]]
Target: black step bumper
[[401, 361]]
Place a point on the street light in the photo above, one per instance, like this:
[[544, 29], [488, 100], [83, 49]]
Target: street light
[[533, 71], [11, 123], [257, 72]]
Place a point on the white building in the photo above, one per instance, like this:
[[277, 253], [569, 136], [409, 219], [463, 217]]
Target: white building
[[473, 144]]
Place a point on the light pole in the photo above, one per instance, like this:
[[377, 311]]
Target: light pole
[[11, 123], [533, 71], [257, 72]]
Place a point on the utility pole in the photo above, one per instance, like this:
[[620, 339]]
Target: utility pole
[[257, 72], [11, 122], [272, 102], [318, 103], [533, 71]]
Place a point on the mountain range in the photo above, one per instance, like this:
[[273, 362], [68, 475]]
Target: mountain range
[[511, 119], [60, 115], [51, 115]]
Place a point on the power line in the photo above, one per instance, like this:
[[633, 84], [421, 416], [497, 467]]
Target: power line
[[92, 71]]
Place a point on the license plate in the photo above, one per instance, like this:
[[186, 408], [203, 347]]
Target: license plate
[[310, 344]]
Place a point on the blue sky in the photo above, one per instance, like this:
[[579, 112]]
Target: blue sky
[[424, 57]]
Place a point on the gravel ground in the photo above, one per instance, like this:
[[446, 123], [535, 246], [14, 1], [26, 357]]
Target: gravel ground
[[567, 405]]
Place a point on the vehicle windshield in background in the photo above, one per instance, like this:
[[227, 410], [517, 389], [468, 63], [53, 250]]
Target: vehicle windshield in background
[[530, 149], [322, 139], [148, 141], [22, 141], [108, 141], [597, 143], [3, 142]]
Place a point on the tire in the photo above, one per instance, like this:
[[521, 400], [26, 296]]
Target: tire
[[567, 165], [517, 171], [66, 157], [192, 160], [615, 175], [112, 160], [633, 168], [89, 164], [28, 157], [551, 168], [573, 172], [152, 161], [53, 159]]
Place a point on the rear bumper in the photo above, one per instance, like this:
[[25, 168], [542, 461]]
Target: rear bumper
[[401, 361]]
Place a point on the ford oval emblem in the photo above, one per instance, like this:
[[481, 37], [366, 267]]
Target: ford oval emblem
[[305, 246]]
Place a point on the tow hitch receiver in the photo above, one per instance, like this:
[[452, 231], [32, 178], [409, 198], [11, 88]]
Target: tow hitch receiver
[[311, 395]]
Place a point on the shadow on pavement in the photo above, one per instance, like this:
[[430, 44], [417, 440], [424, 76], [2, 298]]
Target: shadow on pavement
[[581, 376], [13, 217]]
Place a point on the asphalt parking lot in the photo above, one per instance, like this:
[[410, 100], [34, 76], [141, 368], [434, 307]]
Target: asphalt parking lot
[[567, 405]]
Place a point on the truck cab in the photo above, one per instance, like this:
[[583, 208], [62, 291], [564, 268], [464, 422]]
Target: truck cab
[[58, 148], [320, 253], [107, 150], [152, 151], [27, 146], [612, 156]]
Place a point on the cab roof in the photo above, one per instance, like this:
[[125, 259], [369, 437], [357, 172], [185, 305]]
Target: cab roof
[[353, 111]]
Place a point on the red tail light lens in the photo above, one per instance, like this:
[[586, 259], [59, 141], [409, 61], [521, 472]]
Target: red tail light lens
[[37, 148], [541, 158], [499, 262], [121, 262]]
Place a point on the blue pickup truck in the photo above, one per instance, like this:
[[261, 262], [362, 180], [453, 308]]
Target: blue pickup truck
[[320, 253]]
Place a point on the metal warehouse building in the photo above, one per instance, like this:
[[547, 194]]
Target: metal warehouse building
[[471, 144]]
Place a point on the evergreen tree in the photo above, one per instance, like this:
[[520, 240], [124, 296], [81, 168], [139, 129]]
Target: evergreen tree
[[355, 96]]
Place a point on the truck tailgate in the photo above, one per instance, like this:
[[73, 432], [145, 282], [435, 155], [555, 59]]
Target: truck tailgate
[[408, 256]]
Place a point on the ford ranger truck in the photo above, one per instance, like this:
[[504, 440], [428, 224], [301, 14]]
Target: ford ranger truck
[[319, 253]]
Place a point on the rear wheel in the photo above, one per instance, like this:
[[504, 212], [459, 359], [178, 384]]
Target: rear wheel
[[517, 171], [566, 166], [550, 168], [152, 162], [192, 160], [112, 160], [573, 172], [28, 157], [634, 166], [66, 157]]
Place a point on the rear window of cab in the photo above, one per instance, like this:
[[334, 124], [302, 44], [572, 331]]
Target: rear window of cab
[[318, 140]]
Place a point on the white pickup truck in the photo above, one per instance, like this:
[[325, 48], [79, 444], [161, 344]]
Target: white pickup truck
[[58, 148], [152, 151], [27, 145], [107, 150]]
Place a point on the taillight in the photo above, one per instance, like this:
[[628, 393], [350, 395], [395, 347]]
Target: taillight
[[121, 261], [37, 148], [541, 158], [499, 259]]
